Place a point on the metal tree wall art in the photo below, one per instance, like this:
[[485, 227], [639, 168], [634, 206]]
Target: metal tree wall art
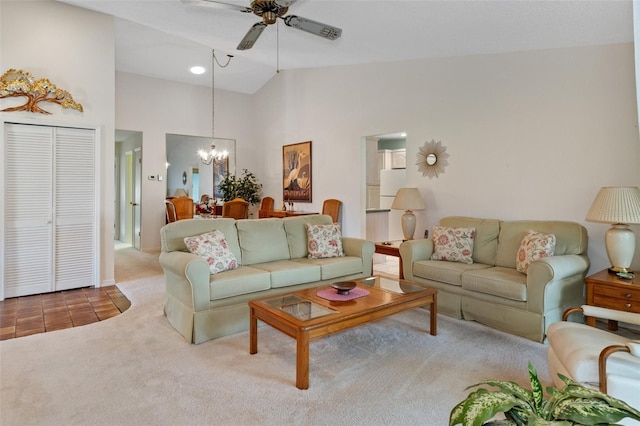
[[432, 159], [15, 83]]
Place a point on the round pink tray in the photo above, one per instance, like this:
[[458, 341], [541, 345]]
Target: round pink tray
[[332, 294]]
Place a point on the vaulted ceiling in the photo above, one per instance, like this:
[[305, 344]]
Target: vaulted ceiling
[[164, 38]]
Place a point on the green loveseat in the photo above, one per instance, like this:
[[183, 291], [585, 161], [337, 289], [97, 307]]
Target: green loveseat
[[490, 290], [272, 254]]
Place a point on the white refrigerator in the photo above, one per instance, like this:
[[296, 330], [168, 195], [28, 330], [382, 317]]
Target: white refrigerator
[[390, 181]]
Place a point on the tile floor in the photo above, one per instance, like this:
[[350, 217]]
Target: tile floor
[[390, 267], [22, 316]]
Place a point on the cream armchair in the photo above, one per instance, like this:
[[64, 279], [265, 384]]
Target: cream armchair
[[597, 358]]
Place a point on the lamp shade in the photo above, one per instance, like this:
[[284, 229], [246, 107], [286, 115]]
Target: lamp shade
[[408, 199], [180, 193], [616, 205]]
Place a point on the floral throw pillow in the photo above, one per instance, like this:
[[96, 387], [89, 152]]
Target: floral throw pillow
[[324, 241], [534, 246], [213, 247], [453, 244]]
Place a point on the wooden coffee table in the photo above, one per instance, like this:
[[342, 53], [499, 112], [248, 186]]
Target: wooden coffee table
[[305, 316]]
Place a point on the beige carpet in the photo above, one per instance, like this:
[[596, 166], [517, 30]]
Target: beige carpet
[[132, 264], [135, 369]]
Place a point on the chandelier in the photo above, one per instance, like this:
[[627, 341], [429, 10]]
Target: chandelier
[[214, 156]]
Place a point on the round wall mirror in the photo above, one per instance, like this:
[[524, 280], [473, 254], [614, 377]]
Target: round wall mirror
[[184, 178], [432, 159]]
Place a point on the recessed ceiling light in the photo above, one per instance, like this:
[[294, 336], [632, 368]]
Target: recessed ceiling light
[[197, 70]]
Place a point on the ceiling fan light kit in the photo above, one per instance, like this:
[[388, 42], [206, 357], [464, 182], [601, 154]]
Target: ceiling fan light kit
[[270, 11]]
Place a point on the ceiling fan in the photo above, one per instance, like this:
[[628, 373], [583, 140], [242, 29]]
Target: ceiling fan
[[270, 11]]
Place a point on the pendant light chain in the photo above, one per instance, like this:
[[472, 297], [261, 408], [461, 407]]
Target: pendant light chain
[[213, 95], [212, 156], [214, 61]]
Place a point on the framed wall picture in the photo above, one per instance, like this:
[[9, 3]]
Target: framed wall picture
[[296, 172], [220, 171]]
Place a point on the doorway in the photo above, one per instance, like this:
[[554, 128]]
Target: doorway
[[385, 169], [128, 190]]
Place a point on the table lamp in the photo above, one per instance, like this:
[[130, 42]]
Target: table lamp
[[408, 199], [180, 193], [619, 206]]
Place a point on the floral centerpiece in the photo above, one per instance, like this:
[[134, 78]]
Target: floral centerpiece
[[206, 207]]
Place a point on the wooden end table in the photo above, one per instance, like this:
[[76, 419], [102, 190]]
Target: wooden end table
[[610, 291], [391, 249]]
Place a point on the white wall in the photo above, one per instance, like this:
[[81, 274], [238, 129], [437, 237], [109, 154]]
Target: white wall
[[531, 135], [74, 49], [157, 107]]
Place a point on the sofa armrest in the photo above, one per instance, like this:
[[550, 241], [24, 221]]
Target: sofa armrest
[[187, 278], [361, 248], [556, 282], [412, 251]]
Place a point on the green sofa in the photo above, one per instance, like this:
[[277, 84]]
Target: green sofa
[[272, 254], [490, 290]]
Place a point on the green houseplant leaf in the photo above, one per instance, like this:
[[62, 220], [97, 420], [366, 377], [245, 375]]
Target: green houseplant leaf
[[574, 404], [246, 187]]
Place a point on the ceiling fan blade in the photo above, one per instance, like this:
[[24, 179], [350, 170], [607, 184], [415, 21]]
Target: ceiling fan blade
[[252, 36], [285, 3], [313, 27], [218, 4]]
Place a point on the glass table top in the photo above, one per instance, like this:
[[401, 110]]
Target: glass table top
[[392, 285], [300, 308]]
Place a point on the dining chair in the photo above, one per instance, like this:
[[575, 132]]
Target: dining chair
[[265, 207], [184, 207], [170, 210], [332, 208], [236, 208]]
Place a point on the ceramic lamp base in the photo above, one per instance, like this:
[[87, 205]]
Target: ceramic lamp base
[[408, 224], [620, 242]]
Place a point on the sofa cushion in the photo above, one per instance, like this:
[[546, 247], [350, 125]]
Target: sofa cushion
[[243, 280], [571, 238], [497, 281], [534, 246], [262, 240], [296, 230], [286, 272], [453, 244], [442, 271], [324, 241], [334, 267], [213, 247], [485, 241], [172, 235]]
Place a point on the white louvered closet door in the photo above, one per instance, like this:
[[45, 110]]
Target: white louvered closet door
[[75, 211], [50, 209], [28, 262]]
